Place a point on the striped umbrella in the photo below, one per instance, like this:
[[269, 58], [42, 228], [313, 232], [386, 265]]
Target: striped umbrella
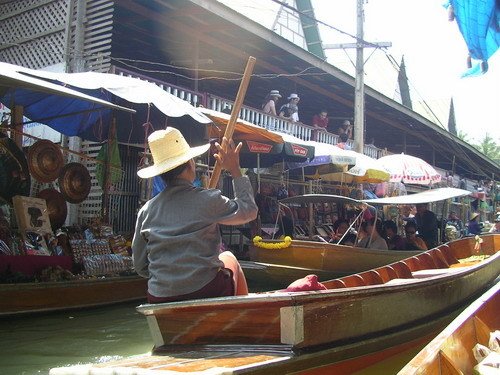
[[409, 169]]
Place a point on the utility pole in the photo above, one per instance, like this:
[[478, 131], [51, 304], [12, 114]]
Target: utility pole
[[359, 91], [359, 87]]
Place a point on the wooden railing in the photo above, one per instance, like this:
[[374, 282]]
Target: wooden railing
[[252, 115], [194, 98]]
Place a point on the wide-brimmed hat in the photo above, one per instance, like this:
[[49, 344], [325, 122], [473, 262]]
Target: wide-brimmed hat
[[169, 150], [293, 96], [74, 182], [275, 93], [474, 215], [45, 160]]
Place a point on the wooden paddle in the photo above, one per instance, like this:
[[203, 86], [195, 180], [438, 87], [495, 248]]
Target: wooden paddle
[[214, 179]]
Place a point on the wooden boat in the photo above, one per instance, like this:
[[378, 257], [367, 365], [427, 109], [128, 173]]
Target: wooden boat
[[364, 314], [25, 298], [277, 275], [324, 259], [450, 352], [336, 260]]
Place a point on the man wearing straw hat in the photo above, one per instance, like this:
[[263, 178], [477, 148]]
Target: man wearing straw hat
[[177, 239]]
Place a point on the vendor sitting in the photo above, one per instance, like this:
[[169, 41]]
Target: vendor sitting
[[177, 238]]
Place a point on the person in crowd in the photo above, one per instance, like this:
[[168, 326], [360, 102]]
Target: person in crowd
[[226, 109], [290, 110], [269, 105], [393, 239], [374, 238], [408, 213], [427, 225], [412, 241], [320, 123], [454, 221], [177, 241], [345, 128], [496, 228], [320, 120], [473, 227], [340, 227], [343, 138]]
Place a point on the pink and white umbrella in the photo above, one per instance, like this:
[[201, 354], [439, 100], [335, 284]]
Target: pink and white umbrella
[[409, 169]]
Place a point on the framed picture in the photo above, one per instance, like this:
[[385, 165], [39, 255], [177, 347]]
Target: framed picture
[[33, 222], [32, 214]]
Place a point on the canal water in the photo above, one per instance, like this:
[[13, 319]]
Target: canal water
[[35, 344]]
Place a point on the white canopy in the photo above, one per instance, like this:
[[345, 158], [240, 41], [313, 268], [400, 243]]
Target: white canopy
[[427, 196], [131, 89]]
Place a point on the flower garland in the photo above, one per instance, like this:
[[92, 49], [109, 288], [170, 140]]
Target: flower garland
[[257, 241]]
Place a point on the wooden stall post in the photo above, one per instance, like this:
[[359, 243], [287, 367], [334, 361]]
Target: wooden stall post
[[107, 172], [214, 179], [17, 124]]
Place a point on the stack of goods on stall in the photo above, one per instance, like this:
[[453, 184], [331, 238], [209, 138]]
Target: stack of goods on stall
[[33, 238]]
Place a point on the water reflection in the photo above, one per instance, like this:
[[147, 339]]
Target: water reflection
[[34, 345]]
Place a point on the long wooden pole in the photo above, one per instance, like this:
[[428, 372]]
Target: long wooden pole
[[214, 179]]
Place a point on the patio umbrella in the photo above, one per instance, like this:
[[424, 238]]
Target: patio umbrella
[[261, 147], [366, 170], [409, 169], [325, 155], [327, 159]]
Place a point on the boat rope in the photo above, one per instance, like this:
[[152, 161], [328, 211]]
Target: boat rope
[[287, 241]]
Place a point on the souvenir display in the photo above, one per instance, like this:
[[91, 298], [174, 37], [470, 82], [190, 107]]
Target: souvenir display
[[32, 214], [14, 172], [108, 264], [45, 160]]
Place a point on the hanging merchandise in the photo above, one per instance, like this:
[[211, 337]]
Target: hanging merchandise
[[56, 206], [45, 161], [74, 182], [14, 172], [115, 163]]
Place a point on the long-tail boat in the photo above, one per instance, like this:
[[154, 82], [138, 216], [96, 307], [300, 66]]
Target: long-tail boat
[[37, 297], [365, 315], [451, 352], [303, 257]]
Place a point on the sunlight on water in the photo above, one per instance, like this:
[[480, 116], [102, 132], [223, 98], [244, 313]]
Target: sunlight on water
[[34, 345]]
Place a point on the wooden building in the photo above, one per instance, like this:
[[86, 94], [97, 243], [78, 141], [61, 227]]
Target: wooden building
[[197, 49]]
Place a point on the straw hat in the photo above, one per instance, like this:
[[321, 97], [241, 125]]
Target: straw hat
[[169, 150], [275, 93], [293, 96], [474, 215]]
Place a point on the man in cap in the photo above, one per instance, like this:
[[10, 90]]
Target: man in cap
[[177, 240], [269, 105], [290, 110]]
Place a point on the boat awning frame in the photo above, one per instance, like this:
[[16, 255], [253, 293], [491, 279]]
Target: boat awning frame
[[321, 198], [428, 196]]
